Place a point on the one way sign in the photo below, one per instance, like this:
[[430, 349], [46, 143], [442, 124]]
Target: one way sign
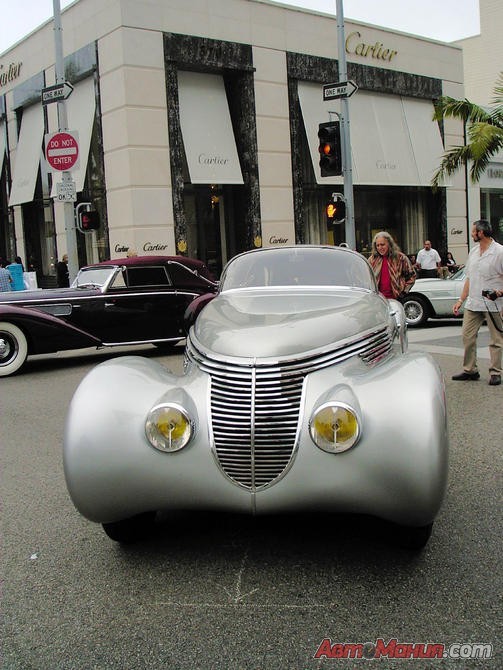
[[56, 93], [342, 89]]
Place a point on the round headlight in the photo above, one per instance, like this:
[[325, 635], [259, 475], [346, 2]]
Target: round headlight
[[168, 427], [334, 427]]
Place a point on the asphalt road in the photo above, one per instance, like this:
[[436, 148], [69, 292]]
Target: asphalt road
[[225, 593]]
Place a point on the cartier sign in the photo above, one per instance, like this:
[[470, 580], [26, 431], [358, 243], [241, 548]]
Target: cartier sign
[[148, 248], [8, 74], [356, 46], [205, 159]]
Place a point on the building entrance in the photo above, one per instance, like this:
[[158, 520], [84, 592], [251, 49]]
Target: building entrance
[[215, 233]]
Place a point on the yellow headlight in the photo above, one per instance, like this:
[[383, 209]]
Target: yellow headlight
[[334, 427], [168, 427]]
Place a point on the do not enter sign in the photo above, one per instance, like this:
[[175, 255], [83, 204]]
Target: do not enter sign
[[62, 150]]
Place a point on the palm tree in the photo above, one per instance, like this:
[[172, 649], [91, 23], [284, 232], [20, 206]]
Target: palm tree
[[484, 134]]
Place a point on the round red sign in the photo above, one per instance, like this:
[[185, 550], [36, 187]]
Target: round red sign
[[62, 151]]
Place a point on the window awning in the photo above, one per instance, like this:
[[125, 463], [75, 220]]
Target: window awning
[[208, 137], [425, 136], [28, 154], [394, 141], [80, 111]]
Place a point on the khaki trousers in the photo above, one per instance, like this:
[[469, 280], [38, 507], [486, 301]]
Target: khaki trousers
[[471, 326]]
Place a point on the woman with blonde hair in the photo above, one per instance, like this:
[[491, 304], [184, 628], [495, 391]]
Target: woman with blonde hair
[[393, 271]]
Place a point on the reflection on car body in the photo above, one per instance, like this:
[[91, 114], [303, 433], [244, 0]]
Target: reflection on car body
[[296, 396], [124, 301]]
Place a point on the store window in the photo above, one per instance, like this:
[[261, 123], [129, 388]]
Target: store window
[[410, 213], [491, 209]]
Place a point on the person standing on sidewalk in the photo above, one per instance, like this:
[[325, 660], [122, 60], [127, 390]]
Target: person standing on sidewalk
[[484, 272], [62, 274], [428, 262]]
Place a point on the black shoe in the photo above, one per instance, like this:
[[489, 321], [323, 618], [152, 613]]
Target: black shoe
[[495, 380], [465, 376]]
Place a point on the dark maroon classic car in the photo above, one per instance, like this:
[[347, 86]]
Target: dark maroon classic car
[[123, 301]]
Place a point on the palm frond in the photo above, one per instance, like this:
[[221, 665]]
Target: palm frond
[[482, 137], [497, 117], [451, 161], [493, 146], [484, 134], [498, 91], [464, 110]]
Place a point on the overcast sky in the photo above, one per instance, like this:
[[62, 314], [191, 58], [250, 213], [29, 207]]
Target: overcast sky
[[446, 20]]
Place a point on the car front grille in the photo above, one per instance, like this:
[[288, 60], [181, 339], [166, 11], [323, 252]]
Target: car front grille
[[255, 405]]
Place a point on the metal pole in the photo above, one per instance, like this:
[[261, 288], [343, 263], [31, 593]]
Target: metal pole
[[347, 169], [68, 211]]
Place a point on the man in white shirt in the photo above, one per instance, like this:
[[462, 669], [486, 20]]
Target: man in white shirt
[[484, 272], [428, 261]]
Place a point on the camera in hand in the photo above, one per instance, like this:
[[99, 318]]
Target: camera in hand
[[490, 293]]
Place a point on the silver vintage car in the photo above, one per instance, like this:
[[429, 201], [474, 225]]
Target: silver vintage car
[[298, 395]]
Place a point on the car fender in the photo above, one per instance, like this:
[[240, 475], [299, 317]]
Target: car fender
[[418, 294], [46, 333], [112, 471], [399, 466], [195, 308]]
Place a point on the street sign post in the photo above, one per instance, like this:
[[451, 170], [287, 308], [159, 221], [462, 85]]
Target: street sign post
[[56, 93], [68, 206], [66, 190], [62, 150], [342, 89]]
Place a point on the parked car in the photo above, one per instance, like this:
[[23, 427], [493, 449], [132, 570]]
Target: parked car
[[123, 301], [298, 395], [433, 298]]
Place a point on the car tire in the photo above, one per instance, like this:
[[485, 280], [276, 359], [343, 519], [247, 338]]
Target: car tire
[[416, 311], [413, 537], [129, 531], [13, 348]]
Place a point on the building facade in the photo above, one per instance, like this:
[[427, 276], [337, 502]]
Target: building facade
[[483, 65], [197, 131]]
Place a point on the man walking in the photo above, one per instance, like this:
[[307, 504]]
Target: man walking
[[62, 274], [484, 272], [428, 261]]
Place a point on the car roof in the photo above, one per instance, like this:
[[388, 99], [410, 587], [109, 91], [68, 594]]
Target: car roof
[[190, 263], [149, 260]]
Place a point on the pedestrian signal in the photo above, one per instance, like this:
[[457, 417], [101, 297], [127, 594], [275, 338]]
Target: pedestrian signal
[[335, 211], [89, 220]]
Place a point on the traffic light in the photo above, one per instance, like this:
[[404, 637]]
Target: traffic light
[[89, 220], [329, 135], [336, 210]]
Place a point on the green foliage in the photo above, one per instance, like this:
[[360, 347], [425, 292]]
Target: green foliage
[[484, 134]]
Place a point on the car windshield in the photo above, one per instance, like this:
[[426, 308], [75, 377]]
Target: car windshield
[[97, 276], [298, 266], [460, 274]]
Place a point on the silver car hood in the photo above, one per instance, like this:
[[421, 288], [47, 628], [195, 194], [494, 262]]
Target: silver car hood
[[275, 322]]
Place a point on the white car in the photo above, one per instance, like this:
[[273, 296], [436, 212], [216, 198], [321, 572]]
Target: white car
[[433, 299]]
